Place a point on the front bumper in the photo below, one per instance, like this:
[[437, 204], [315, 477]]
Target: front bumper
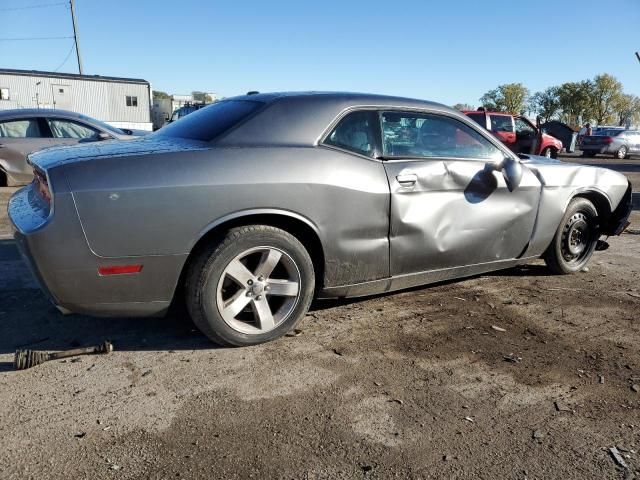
[[54, 248], [619, 219]]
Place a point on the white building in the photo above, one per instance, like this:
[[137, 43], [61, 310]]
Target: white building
[[121, 102]]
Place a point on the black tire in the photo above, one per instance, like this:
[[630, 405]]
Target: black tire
[[547, 152], [621, 153], [575, 240], [206, 280], [3, 179]]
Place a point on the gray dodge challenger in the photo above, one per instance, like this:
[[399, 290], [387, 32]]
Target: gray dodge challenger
[[253, 206]]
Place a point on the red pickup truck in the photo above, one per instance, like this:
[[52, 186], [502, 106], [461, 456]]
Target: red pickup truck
[[517, 133]]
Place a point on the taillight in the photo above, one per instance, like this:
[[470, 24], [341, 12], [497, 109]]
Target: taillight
[[607, 139], [42, 185]]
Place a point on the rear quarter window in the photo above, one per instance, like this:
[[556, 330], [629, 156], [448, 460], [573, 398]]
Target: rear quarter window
[[210, 122], [479, 118]]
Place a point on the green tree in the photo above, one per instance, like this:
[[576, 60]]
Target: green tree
[[605, 96], [628, 109], [510, 97], [463, 106], [201, 97], [546, 103], [160, 94], [576, 101]]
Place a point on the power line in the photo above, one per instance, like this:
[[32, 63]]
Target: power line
[[41, 5], [19, 39], [66, 58]]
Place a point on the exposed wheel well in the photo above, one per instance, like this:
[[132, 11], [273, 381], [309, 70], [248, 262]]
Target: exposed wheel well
[[600, 202], [299, 229]]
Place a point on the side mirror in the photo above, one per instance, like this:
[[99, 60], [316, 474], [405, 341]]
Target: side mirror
[[512, 173], [104, 136]]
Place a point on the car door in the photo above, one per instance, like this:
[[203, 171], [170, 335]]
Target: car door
[[69, 132], [527, 137], [18, 138], [448, 208], [502, 127]]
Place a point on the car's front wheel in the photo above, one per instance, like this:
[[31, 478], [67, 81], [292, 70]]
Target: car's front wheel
[[576, 238], [252, 286], [550, 152]]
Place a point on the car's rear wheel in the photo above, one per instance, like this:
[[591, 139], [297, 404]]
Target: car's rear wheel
[[3, 179], [576, 238], [621, 153], [252, 286]]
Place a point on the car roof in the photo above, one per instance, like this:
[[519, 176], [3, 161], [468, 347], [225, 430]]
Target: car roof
[[38, 112], [355, 99], [301, 118]]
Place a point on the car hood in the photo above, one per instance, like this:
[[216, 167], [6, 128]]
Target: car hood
[[150, 144], [539, 160]]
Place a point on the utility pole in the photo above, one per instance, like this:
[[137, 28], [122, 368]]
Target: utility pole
[[75, 34]]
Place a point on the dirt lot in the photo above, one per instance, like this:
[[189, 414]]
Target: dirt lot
[[412, 385]]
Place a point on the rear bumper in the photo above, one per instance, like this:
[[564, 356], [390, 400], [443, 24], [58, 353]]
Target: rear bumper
[[55, 249], [597, 148]]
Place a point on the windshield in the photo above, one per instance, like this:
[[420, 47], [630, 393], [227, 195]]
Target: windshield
[[207, 123], [106, 126]]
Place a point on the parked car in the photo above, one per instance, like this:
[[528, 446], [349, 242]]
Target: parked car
[[616, 142], [517, 133], [26, 130], [252, 206], [184, 111]]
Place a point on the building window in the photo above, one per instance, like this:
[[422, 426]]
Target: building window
[[132, 101], [4, 94]]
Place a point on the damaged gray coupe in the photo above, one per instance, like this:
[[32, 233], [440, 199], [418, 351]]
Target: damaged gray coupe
[[253, 206]]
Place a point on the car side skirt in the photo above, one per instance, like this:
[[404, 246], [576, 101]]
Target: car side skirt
[[402, 282]]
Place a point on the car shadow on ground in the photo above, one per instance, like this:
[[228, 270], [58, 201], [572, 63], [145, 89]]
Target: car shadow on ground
[[29, 321]]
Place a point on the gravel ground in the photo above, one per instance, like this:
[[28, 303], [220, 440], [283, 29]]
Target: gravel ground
[[418, 384]]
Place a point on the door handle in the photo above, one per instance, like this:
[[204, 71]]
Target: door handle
[[407, 179]]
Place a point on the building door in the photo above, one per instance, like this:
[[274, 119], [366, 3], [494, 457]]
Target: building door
[[61, 96]]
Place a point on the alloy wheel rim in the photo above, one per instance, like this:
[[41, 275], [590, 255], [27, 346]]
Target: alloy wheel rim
[[258, 290], [622, 152], [547, 153]]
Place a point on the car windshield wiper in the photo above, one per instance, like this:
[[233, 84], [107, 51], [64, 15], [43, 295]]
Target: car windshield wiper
[[399, 157]]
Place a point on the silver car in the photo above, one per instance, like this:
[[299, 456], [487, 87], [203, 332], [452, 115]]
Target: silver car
[[617, 142], [255, 205], [27, 130]]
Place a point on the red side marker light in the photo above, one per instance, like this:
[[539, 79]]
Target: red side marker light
[[119, 269]]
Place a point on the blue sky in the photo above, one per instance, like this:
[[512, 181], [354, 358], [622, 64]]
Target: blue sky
[[450, 52]]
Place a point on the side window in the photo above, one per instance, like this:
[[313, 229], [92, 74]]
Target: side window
[[4, 93], [68, 129], [131, 101], [522, 126], [501, 123], [355, 132], [479, 118], [27, 128], [429, 135]]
